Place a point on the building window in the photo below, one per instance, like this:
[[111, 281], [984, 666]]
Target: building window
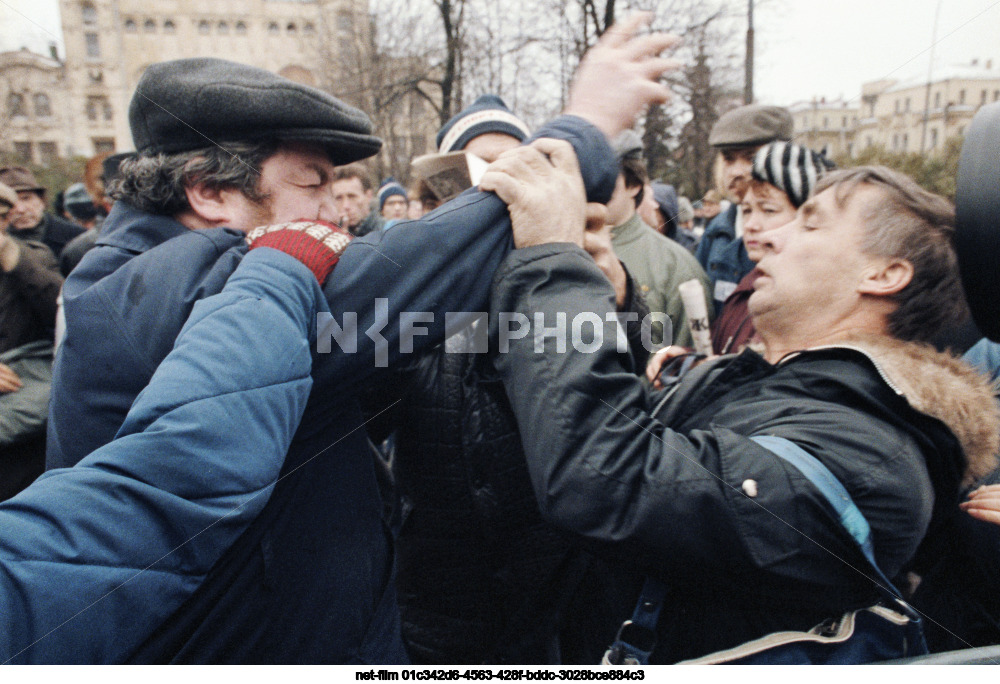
[[961, 96], [906, 105], [996, 95], [309, 30], [897, 106], [22, 151], [42, 105], [15, 105], [895, 141], [937, 100], [292, 29], [131, 26], [46, 153], [149, 26], [241, 28], [89, 14], [273, 28], [843, 122], [204, 27], [934, 138], [906, 141], [98, 105], [103, 145], [345, 22], [93, 45], [223, 28], [169, 26], [826, 122], [982, 100]]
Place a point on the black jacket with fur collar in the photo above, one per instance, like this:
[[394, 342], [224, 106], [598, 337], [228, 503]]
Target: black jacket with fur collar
[[745, 542]]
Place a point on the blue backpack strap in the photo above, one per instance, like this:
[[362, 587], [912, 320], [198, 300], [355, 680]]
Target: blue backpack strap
[[851, 517], [637, 637]]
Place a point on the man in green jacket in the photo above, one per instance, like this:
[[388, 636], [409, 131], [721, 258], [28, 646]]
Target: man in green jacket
[[658, 264]]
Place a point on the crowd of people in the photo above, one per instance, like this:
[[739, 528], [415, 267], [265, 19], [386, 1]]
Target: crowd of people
[[256, 407]]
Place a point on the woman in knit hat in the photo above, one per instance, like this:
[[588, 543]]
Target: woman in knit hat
[[782, 179]]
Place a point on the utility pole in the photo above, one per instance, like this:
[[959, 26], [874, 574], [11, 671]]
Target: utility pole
[[748, 76], [930, 73]]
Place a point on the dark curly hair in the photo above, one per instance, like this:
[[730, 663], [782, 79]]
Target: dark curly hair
[[155, 184]]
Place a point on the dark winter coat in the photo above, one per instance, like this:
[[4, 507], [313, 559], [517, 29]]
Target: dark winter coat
[[53, 232], [723, 256], [311, 578], [28, 297], [519, 590], [743, 540]]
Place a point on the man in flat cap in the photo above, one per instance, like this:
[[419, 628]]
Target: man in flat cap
[[737, 135], [29, 287], [28, 219], [222, 148]]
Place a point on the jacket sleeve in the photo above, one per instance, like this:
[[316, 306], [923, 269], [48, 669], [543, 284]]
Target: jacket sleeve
[[602, 466], [38, 280], [94, 557], [412, 284]]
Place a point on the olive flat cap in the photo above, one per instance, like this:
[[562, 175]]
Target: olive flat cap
[[189, 104], [751, 126], [628, 145]]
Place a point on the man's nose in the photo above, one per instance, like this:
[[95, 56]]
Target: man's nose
[[329, 210], [774, 240]]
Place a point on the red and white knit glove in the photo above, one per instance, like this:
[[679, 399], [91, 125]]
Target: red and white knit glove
[[317, 244]]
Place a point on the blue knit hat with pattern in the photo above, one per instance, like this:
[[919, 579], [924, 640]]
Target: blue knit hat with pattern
[[488, 114]]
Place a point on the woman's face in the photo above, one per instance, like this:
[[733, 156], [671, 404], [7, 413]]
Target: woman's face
[[765, 208]]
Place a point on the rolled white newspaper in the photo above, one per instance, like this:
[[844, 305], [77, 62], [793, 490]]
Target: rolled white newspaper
[[693, 296]]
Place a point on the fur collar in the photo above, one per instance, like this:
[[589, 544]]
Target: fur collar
[[943, 387]]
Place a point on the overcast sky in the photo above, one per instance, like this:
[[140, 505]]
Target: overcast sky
[[805, 48]]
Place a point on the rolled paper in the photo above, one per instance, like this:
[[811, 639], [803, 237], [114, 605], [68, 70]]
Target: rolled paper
[[693, 296]]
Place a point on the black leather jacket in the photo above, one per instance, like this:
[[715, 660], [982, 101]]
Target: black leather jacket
[[669, 487], [481, 577]]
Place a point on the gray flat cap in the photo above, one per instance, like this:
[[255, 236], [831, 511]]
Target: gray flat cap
[[751, 126], [189, 104], [628, 145]]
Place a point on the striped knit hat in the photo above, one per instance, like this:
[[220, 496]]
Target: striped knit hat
[[791, 168], [389, 188], [488, 114]]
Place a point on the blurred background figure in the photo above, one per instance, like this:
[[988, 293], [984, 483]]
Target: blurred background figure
[[782, 178], [28, 219], [392, 201]]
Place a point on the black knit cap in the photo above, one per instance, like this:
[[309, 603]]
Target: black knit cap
[[190, 104], [791, 168]]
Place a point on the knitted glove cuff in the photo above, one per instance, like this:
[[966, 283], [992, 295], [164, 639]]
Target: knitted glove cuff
[[317, 244]]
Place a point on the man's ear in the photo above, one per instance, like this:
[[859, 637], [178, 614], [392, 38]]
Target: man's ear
[[886, 278], [208, 203]]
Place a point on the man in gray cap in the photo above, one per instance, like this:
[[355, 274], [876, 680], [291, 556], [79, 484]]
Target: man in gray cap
[[28, 219], [222, 148], [737, 135], [657, 263], [29, 286]]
